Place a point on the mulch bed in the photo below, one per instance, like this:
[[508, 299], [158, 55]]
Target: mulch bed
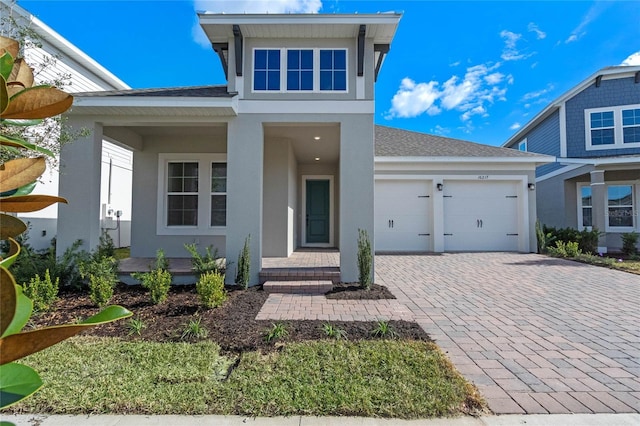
[[232, 326]]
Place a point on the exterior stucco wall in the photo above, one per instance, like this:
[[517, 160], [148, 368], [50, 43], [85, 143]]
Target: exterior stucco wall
[[621, 91], [145, 240], [292, 186]]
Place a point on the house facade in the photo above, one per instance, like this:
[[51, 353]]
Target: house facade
[[83, 74], [593, 130]]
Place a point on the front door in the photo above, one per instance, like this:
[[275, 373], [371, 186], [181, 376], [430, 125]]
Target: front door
[[317, 211]]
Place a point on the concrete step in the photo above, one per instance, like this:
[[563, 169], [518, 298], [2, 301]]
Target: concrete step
[[298, 287], [300, 274]]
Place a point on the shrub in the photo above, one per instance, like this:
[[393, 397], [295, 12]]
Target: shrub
[[194, 330], [334, 332], [543, 238], [364, 259], [105, 248], [210, 262], [629, 242], [157, 280], [587, 240], [244, 265], [572, 249], [42, 291], [103, 278], [136, 326], [277, 331], [385, 330], [562, 249], [210, 289]]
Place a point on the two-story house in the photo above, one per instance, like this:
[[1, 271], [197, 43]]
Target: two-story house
[[593, 130], [285, 153]]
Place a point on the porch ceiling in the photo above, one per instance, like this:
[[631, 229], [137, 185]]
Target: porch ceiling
[[305, 147]]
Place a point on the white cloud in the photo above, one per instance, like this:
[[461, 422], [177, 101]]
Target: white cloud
[[439, 130], [532, 27], [413, 99], [454, 64], [538, 93], [515, 126], [511, 51], [591, 15], [633, 59], [259, 6], [494, 78]]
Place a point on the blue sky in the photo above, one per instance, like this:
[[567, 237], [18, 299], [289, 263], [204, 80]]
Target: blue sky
[[474, 70]]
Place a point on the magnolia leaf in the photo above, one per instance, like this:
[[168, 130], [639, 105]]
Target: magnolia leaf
[[14, 251], [38, 102], [24, 308], [20, 172], [10, 226], [21, 123], [18, 382], [20, 143], [6, 65], [21, 74], [4, 95], [10, 46], [28, 203], [8, 299], [17, 346], [23, 190]]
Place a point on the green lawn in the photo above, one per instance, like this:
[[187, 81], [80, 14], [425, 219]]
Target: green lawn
[[402, 379], [627, 265]]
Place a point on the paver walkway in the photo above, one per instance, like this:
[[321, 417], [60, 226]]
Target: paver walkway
[[535, 334]]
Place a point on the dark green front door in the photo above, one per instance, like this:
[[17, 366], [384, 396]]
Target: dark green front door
[[317, 219]]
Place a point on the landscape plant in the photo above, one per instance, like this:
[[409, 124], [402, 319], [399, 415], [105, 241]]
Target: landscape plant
[[544, 238], [365, 260], [23, 104], [157, 280], [243, 273], [43, 292], [277, 330], [102, 274], [629, 243], [136, 326], [333, 332], [587, 239], [209, 262], [194, 330], [384, 330], [210, 289]]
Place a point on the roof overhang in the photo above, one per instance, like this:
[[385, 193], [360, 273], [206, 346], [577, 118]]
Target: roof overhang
[[607, 161], [156, 106], [537, 160]]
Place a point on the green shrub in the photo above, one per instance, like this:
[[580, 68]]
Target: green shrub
[[277, 331], [210, 262], [43, 292], [244, 265], [105, 248], [194, 330], [384, 330], [210, 289], [587, 240], [572, 249], [629, 243], [102, 273], [543, 238], [333, 332], [157, 280], [364, 259], [136, 326]]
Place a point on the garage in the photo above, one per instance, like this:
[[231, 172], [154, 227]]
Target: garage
[[481, 215], [402, 215]]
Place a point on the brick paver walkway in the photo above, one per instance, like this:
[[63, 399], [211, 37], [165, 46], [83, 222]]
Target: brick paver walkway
[[535, 334]]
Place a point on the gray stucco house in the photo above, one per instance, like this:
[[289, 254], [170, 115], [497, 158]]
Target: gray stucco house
[[593, 130], [287, 152]]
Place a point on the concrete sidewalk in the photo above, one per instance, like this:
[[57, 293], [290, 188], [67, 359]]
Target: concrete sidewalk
[[137, 420]]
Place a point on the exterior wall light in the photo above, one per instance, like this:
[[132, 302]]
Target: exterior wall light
[[439, 186], [531, 186]]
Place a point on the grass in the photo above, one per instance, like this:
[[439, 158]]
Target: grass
[[626, 265], [402, 379], [122, 253]]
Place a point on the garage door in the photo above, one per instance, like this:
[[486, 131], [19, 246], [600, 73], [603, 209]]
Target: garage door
[[480, 216], [402, 210]]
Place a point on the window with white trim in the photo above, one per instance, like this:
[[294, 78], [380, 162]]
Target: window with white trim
[[620, 207], [522, 145], [613, 127], [586, 207], [192, 194], [300, 70]]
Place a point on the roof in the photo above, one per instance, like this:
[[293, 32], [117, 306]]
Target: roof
[[217, 91], [391, 142], [621, 71]]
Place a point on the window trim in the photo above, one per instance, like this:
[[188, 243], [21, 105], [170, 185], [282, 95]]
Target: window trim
[[618, 142], [581, 226], [522, 144], [634, 207], [284, 68], [204, 161]]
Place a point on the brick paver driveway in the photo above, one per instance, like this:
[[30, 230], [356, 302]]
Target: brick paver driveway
[[535, 334]]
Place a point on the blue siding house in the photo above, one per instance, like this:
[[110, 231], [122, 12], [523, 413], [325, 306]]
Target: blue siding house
[[593, 130]]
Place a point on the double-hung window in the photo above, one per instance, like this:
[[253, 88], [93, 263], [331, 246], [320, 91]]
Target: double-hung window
[[620, 206], [613, 127], [192, 194], [300, 70], [586, 207]]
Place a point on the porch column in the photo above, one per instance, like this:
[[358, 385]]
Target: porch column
[[356, 190], [245, 148], [80, 168], [599, 207]]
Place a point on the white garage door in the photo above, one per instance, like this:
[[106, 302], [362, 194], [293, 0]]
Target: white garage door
[[480, 216], [402, 215]]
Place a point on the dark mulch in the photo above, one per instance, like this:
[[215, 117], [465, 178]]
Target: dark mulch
[[348, 291], [232, 326]]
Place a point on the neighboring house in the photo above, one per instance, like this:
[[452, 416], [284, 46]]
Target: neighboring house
[[593, 130], [285, 153], [84, 75]]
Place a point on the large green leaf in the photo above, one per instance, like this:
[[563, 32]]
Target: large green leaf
[[20, 143], [10, 226], [17, 382], [20, 172], [8, 299], [14, 252], [22, 123], [6, 65], [4, 95], [16, 346], [24, 308], [23, 190]]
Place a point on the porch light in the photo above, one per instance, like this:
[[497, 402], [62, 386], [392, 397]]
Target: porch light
[[439, 186], [317, 138], [317, 158], [531, 186]]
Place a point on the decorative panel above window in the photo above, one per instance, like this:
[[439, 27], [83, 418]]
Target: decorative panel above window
[[613, 127]]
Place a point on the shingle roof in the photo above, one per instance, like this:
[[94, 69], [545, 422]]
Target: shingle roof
[[392, 142], [194, 92]]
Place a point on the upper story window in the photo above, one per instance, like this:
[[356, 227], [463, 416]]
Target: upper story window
[[613, 127], [296, 70], [522, 145]]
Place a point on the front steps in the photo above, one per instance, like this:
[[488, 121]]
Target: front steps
[[305, 280], [298, 287]]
